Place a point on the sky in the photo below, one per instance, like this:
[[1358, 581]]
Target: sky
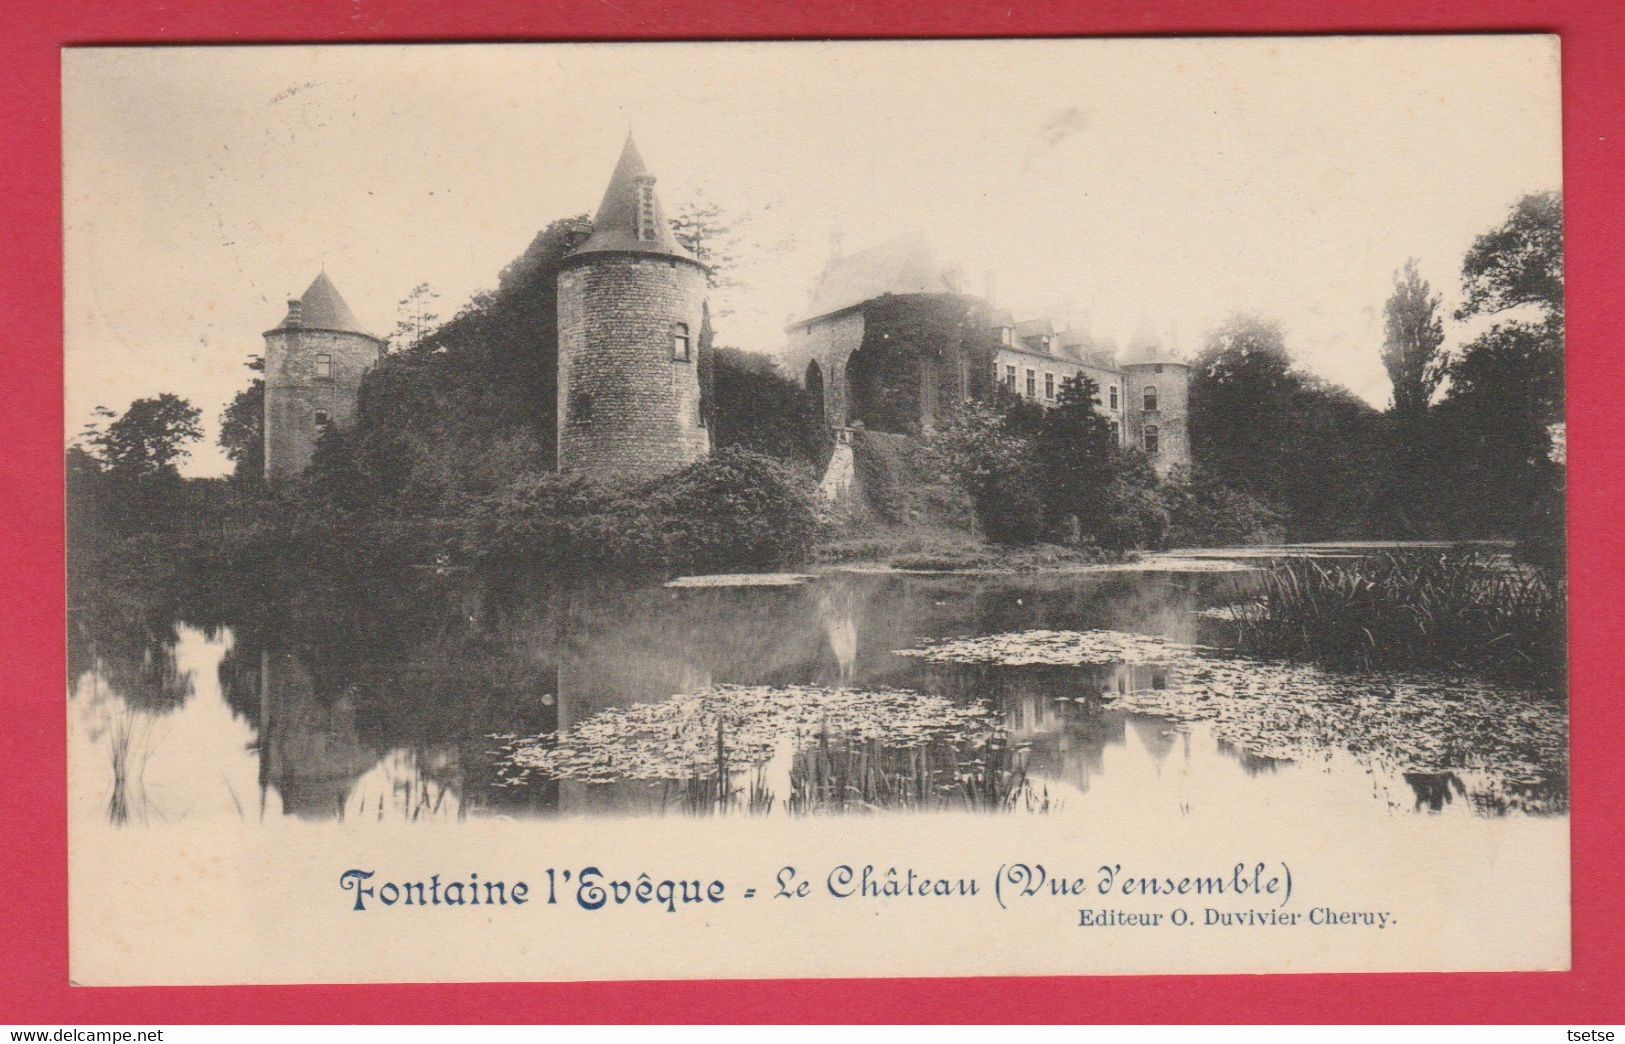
[[1169, 181]]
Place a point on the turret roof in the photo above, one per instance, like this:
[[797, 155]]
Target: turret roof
[[615, 227], [322, 307], [1146, 346]]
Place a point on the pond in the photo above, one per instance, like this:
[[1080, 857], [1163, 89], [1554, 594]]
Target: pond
[[1102, 692]]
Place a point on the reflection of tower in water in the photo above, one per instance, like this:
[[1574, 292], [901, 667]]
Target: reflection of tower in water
[[837, 613], [310, 751]]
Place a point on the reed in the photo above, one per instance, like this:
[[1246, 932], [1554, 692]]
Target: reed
[[850, 774], [1456, 608]]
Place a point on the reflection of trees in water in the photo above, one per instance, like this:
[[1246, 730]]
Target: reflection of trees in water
[[1434, 790], [121, 659]]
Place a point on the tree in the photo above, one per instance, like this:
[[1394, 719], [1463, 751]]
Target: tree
[[1300, 445], [1075, 448], [1492, 431], [1413, 338], [1518, 263], [150, 438], [414, 317], [1240, 399], [997, 469], [1497, 475], [701, 226], [242, 429]]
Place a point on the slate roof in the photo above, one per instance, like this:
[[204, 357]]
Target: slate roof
[[615, 227], [322, 307], [905, 265]]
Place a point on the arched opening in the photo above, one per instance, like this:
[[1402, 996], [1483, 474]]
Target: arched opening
[[814, 383]]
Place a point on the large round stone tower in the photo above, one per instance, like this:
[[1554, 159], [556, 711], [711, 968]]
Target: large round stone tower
[[1157, 385], [631, 301], [314, 361]]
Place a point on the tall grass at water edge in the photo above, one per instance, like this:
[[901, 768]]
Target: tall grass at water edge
[[1464, 609]]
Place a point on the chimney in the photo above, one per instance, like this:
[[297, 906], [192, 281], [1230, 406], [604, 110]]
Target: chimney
[[295, 313]]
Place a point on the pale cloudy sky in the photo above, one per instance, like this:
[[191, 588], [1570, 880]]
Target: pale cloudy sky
[[1179, 180]]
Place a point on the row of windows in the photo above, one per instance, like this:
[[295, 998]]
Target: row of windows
[[1149, 400]]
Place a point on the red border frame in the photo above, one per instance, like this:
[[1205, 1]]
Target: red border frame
[[33, 865]]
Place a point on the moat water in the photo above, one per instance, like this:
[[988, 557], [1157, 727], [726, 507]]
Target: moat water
[[1105, 693]]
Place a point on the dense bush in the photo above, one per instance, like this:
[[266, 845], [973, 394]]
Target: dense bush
[[998, 471], [904, 483], [735, 510], [1205, 512]]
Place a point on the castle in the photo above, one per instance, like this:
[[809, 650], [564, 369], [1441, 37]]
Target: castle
[[631, 308], [1143, 396]]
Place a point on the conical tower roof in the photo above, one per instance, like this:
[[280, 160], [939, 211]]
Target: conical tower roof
[[322, 307], [615, 228], [1146, 346]]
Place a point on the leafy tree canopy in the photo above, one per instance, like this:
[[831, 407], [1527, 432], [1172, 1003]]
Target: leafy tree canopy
[[1518, 263], [150, 438], [1413, 339]]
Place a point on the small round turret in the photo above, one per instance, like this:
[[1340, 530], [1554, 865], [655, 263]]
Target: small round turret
[[1157, 385], [314, 361]]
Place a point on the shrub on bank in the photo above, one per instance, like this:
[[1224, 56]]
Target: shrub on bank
[[734, 511]]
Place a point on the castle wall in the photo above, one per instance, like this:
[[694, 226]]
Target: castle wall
[[628, 410], [295, 393], [830, 343], [1172, 381]]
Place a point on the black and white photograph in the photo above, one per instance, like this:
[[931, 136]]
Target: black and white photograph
[[978, 507]]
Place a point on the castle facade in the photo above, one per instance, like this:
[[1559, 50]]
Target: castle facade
[[1145, 397], [1143, 394]]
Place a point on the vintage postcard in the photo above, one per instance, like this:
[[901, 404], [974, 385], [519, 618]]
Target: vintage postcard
[[545, 512]]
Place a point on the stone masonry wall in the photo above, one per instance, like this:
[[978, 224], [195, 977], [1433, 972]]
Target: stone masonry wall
[[294, 394], [1171, 416], [829, 342], [628, 410]]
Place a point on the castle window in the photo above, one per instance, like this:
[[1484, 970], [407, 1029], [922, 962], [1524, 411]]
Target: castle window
[[1117, 434], [1005, 335], [679, 342], [1113, 393], [580, 408], [322, 418], [1010, 377], [1151, 439], [1150, 398], [324, 365], [1049, 386], [1032, 384]]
